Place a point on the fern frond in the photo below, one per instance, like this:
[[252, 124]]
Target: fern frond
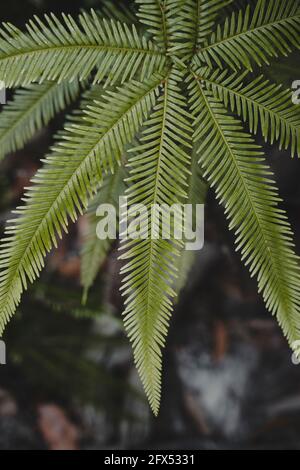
[[246, 38], [158, 175], [166, 20], [122, 12], [234, 165], [31, 109], [261, 104], [205, 18], [60, 49], [152, 13], [158, 95], [94, 250], [60, 190]]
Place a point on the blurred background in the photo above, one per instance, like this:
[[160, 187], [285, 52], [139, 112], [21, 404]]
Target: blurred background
[[69, 383]]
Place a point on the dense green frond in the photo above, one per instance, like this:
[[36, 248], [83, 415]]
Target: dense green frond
[[60, 190], [197, 185], [205, 18], [95, 250], [158, 175], [84, 167], [178, 26], [234, 165], [272, 29], [122, 12], [261, 104], [152, 13], [30, 110], [193, 22], [58, 49], [284, 69]]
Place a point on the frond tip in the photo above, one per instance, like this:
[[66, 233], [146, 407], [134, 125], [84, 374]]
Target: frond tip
[[159, 166]]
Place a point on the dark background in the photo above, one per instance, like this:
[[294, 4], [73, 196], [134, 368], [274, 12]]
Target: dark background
[[228, 381]]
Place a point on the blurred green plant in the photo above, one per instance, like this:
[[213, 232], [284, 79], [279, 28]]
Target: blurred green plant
[[68, 359]]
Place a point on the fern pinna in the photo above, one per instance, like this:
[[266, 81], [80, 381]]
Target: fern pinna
[[177, 87]]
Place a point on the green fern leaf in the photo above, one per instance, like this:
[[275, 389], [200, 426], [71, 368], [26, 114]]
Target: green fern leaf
[[62, 49], [152, 13], [272, 29], [166, 21], [124, 13], [158, 174], [94, 250], [83, 154], [235, 167], [196, 194]]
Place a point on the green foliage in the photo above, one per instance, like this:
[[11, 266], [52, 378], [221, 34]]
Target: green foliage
[[31, 109], [71, 175], [180, 95], [231, 159], [155, 180], [64, 346]]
